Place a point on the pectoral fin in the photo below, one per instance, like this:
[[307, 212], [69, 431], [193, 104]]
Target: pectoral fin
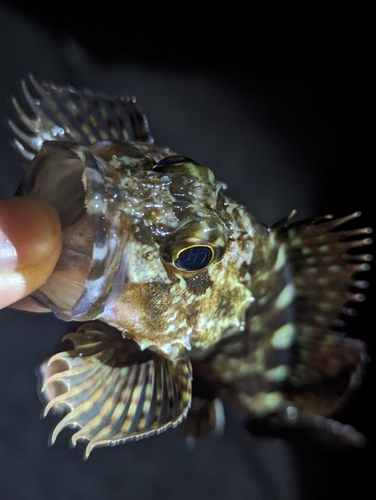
[[113, 391]]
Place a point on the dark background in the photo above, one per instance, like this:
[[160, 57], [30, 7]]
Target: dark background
[[278, 105]]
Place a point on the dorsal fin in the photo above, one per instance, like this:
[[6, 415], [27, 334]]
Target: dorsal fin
[[114, 391], [322, 266], [290, 356], [300, 293], [66, 114]]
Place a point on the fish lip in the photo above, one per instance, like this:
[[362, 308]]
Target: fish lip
[[102, 240]]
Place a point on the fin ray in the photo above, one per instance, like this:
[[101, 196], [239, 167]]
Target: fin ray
[[114, 392], [290, 353], [67, 114]]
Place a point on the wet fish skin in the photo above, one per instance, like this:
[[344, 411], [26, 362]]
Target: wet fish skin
[[178, 277]]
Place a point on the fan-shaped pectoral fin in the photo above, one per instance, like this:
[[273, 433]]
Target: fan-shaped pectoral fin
[[113, 391]]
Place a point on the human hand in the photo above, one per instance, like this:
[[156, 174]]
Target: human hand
[[30, 246]]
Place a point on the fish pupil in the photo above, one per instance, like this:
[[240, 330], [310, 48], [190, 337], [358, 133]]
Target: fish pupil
[[194, 258]]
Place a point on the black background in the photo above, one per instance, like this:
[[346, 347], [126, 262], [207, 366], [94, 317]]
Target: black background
[[278, 105]]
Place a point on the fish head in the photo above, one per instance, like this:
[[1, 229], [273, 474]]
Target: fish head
[[155, 249]]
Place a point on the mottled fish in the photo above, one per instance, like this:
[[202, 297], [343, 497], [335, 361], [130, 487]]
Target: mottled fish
[[178, 286]]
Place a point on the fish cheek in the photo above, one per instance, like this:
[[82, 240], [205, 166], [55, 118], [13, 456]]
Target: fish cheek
[[141, 311], [199, 284], [125, 312]]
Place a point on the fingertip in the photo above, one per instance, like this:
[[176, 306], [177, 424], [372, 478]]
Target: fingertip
[[30, 244]]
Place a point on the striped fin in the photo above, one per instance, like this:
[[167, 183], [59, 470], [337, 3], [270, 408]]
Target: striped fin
[[290, 360], [66, 114], [322, 265], [113, 391]]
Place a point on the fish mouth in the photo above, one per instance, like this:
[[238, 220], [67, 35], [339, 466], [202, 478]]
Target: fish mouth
[[93, 236]]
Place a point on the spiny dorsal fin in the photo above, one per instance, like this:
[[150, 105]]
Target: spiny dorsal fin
[[321, 266], [66, 114], [114, 392], [288, 356]]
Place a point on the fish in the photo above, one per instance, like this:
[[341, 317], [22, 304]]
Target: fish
[[183, 296]]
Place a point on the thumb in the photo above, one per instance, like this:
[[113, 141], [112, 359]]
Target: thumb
[[30, 245]]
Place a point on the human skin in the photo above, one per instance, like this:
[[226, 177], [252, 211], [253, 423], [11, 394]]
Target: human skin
[[30, 245]]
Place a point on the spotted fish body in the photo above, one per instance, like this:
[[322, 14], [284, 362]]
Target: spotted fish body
[[174, 281]]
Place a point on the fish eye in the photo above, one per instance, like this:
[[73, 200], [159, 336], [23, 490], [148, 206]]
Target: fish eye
[[194, 246], [182, 165], [194, 258], [172, 161]]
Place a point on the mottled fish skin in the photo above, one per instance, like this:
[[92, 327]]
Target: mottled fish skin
[[171, 274]]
